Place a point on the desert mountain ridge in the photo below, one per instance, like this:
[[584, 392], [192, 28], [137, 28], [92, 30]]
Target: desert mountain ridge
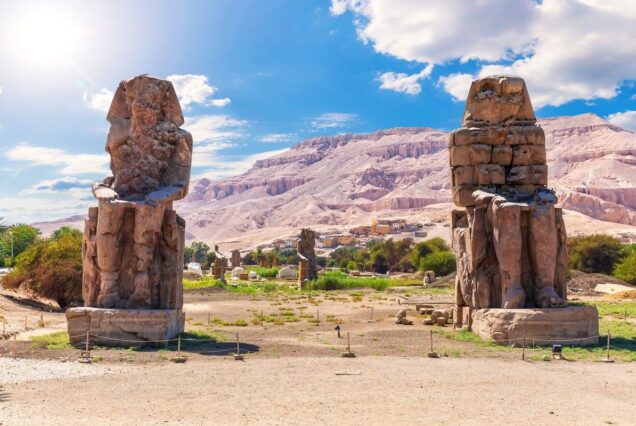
[[333, 182]]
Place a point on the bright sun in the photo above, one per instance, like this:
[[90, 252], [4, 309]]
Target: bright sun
[[44, 38]]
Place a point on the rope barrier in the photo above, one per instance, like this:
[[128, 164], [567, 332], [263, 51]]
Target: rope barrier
[[541, 339]]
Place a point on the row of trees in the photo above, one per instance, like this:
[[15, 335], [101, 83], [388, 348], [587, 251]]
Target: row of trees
[[603, 254], [14, 240], [396, 256], [201, 253]]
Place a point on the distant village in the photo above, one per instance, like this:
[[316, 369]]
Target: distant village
[[359, 236]]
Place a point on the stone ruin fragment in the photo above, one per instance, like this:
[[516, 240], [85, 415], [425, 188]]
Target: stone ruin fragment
[[133, 240], [220, 265], [308, 265], [508, 237]]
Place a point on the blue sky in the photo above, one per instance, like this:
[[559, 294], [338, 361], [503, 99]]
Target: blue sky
[[257, 76]]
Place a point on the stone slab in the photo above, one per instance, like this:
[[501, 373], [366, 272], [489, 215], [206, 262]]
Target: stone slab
[[572, 325], [124, 327]]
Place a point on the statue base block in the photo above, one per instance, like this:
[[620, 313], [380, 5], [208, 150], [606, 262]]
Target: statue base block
[[572, 325], [124, 327]]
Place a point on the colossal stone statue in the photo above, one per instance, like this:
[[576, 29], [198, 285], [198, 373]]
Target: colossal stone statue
[[133, 241], [509, 239], [308, 265]]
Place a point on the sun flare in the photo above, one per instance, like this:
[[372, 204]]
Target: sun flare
[[45, 38]]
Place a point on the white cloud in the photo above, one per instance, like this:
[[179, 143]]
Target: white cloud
[[564, 49], [190, 88], [195, 89], [214, 128], [457, 85], [100, 101], [71, 164], [64, 184], [39, 208], [626, 120], [277, 137], [224, 166], [404, 83], [0, 90], [332, 120], [220, 102]]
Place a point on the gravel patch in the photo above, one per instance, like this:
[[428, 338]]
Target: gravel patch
[[26, 370]]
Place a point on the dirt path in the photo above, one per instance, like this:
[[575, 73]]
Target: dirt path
[[369, 390]]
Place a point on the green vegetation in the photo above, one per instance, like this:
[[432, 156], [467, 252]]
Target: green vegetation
[[336, 280], [242, 287], [198, 252], [51, 267], [626, 268], [57, 340], [594, 253], [394, 256], [440, 262], [20, 236], [267, 272]]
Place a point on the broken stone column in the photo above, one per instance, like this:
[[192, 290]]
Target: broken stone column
[[308, 264], [220, 265], [133, 240], [508, 237], [236, 259]]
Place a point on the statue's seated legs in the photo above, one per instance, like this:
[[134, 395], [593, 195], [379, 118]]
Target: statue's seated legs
[[148, 222], [110, 220], [505, 218], [543, 244]]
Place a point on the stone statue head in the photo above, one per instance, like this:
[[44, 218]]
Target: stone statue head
[[145, 101], [497, 100]]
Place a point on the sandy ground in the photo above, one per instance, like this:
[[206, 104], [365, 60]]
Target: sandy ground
[[295, 375], [369, 390]]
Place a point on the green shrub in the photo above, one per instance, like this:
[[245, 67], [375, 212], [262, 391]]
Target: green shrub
[[337, 280], [267, 272], [594, 253], [51, 268], [626, 268], [440, 262]]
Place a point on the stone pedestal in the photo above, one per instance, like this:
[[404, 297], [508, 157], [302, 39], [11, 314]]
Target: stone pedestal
[[124, 327], [572, 325]]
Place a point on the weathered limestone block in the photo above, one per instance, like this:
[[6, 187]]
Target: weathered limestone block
[[400, 318], [123, 327], [502, 155], [572, 325], [464, 175], [536, 174], [491, 174], [466, 155], [524, 155], [489, 136], [463, 195]]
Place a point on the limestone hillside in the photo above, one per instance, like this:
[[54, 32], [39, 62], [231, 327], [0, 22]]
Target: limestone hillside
[[327, 182]]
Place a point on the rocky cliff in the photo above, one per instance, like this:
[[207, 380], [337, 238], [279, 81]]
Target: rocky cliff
[[351, 179], [348, 179]]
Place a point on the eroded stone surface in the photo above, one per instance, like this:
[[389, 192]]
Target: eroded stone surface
[[133, 240], [510, 240], [308, 265], [123, 327], [573, 325]]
